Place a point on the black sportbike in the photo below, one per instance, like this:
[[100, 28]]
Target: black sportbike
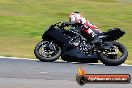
[[73, 46]]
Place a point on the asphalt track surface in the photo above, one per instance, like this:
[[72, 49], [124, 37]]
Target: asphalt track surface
[[19, 73]]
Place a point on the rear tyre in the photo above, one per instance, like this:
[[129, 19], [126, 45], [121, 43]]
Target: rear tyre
[[114, 60], [47, 51]]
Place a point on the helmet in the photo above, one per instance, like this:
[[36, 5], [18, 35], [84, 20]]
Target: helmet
[[76, 17]]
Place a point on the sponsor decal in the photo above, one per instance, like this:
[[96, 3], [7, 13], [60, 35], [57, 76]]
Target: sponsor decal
[[82, 78]]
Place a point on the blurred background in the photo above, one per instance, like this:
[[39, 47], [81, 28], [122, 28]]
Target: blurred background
[[22, 22]]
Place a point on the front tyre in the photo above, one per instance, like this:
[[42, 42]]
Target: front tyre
[[47, 51], [116, 57]]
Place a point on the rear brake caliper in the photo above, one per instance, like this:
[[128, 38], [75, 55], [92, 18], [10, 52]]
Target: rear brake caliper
[[109, 49]]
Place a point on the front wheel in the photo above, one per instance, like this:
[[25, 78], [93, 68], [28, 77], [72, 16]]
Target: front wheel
[[116, 56], [47, 51]]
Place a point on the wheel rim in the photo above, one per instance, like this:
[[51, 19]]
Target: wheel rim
[[115, 53], [48, 49]]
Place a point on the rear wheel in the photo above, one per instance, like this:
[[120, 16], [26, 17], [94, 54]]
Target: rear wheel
[[114, 56], [47, 51]]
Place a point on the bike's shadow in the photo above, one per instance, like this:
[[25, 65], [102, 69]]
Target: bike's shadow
[[79, 63]]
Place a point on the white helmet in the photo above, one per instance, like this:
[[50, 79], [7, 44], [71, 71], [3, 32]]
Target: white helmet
[[76, 18]]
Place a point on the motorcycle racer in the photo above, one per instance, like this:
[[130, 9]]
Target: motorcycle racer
[[76, 18], [73, 46]]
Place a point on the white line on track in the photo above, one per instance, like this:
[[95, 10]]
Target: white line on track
[[43, 72], [16, 58], [57, 60]]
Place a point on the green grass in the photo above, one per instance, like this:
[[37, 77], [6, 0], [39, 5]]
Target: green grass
[[22, 22]]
